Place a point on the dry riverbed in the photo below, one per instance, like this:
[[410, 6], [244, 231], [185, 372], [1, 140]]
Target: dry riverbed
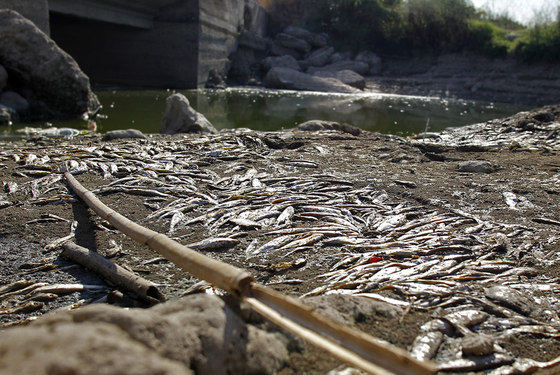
[[452, 238]]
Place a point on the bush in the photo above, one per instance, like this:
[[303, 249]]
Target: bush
[[488, 39], [540, 43]]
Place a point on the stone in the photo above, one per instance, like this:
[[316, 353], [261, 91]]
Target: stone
[[6, 115], [3, 78], [243, 65], [314, 39], [286, 61], [50, 77], [477, 345], [374, 61], [278, 50], [319, 57], [123, 134], [317, 125], [349, 77], [249, 39], [196, 334], [290, 79], [15, 101], [340, 56], [359, 67], [476, 166], [180, 117], [291, 42]]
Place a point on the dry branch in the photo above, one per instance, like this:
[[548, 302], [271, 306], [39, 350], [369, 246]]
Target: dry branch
[[351, 346], [113, 273]]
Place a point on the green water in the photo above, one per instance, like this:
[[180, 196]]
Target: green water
[[273, 110]]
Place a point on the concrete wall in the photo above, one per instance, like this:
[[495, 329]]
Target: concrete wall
[[221, 21], [110, 54], [35, 10]]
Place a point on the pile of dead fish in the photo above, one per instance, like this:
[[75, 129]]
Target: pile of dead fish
[[451, 263]]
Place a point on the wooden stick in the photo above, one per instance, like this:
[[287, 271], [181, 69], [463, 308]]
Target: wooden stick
[[113, 273], [349, 345]]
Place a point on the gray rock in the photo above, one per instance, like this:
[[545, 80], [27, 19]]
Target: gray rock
[[51, 76], [197, 334], [291, 42], [374, 61], [319, 57], [349, 77], [3, 78], [243, 62], [477, 345], [15, 101], [340, 56], [290, 79], [249, 39], [317, 125], [286, 61], [180, 117], [123, 134], [476, 166], [315, 40], [278, 50], [359, 67]]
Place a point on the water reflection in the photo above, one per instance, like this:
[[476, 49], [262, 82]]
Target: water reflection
[[273, 110]]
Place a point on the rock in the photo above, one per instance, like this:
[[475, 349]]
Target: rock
[[319, 57], [373, 61], [291, 42], [15, 101], [243, 65], [340, 56], [359, 67], [349, 77], [123, 134], [180, 117], [315, 40], [477, 345], [317, 125], [249, 39], [3, 78], [215, 80], [278, 50], [286, 61], [197, 334], [290, 79], [52, 78], [476, 166]]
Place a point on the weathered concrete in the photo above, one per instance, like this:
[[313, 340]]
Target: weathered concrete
[[34, 10], [160, 44]]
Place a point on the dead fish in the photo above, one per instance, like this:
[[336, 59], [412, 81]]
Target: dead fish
[[286, 216], [17, 285], [68, 288], [477, 363], [214, 244], [526, 366], [426, 345], [177, 217], [273, 244], [511, 298], [41, 297], [26, 307], [245, 223], [305, 240], [466, 318]]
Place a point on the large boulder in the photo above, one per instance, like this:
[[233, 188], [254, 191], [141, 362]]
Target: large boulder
[[373, 61], [286, 61], [197, 334], [291, 42], [15, 101], [359, 67], [180, 117], [290, 79], [46, 76], [315, 40], [319, 57], [348, 77]]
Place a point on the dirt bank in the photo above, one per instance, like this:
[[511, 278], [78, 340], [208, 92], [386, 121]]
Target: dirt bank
[[432, 226]]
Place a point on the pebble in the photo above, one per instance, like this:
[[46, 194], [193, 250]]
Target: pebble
[[477, 345]]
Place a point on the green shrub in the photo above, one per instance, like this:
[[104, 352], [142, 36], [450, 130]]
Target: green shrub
[[488, 39], [540, 43]]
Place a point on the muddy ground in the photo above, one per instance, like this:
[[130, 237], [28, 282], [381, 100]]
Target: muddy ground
[[514, 197]]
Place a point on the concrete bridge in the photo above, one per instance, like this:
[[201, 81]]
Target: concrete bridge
[[146, 43]]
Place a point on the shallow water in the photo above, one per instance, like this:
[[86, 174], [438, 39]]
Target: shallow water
[[261, 109]]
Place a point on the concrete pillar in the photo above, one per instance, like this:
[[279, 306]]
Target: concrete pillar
[[34, 10]]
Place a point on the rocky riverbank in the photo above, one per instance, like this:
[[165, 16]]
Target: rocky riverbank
[[426, 243]]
